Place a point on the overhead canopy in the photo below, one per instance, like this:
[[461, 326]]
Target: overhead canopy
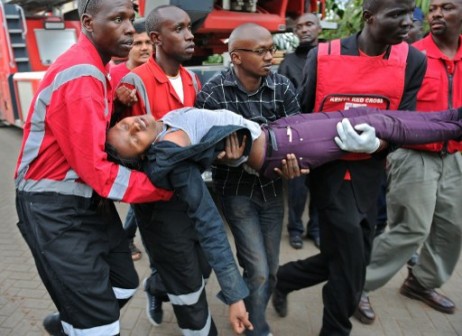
[[33, 6]]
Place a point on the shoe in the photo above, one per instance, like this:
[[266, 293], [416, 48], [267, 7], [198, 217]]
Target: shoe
[[413, 260], [296, 241], [52, 324], [316, 240], [153, 307], [414, 290], [279, 300], [364, 312], [135, 251]]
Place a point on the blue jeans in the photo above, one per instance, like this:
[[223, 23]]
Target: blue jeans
[[256, 226], [297, 197]]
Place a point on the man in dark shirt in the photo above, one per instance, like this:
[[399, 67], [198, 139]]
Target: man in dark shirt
[[252, 205], [307, 28]]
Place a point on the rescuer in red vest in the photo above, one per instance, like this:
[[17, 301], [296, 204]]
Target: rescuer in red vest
[[371, 68]]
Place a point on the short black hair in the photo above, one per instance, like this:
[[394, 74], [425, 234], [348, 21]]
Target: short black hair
[[371, 5], [154, 19], [88, 6], [114, 156], [140, 26]]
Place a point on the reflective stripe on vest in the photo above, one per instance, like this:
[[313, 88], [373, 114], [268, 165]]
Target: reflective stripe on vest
[[136, 81], [69, 185]]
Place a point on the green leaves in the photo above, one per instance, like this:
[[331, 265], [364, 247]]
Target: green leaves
[[423, 4], [348, 18], [348, 15]]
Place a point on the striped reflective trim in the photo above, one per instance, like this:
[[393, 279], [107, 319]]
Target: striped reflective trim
[[187, 299], [203, 332], [123, 293], [120, 185], [37, 132], [78, 71], [108, 329], [61, 187], [71, 175], [135, 80]]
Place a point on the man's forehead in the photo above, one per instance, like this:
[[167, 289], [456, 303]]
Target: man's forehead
[[115, 4], [264, 41], [387, 5], [307, 18], [173, 15], [140, 36]]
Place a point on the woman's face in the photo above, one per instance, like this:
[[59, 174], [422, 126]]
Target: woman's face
[[132, 135]]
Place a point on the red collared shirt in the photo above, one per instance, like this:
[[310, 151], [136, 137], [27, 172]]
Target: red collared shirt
[[442, 85]]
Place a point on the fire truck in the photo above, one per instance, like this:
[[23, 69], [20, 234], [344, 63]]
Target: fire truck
[[34, 33]]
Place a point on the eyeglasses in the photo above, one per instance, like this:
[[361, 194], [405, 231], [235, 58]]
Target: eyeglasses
[[260, 51], [85, 7]]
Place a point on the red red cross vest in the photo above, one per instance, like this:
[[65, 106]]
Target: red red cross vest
[[346, 81]]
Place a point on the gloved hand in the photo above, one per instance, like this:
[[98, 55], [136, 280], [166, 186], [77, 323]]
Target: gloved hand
[[350, 140]]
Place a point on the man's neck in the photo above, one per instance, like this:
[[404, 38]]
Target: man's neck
[[448, 44], [369, 46], [170, 66], [131, 65], [304, 48], [250, 83]]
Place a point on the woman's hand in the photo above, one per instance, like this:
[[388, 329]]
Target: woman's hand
[[290, 168]]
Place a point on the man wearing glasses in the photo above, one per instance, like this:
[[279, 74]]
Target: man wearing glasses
[[253, 205]]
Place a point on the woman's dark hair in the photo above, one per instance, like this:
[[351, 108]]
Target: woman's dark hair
[[114, 156]]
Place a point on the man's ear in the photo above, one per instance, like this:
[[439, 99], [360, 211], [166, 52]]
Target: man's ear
[[235, 58], [155, 37], [367, 16], [87, 22]]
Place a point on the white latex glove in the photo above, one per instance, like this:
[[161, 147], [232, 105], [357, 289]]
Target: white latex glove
[[350, 140]]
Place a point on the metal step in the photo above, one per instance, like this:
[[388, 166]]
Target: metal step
[[14, 23], [12, 16], [21, 59]]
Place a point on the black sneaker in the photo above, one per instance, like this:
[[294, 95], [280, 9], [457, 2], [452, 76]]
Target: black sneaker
[[52, 324], [296, 241], [153, 307], [279, 300]]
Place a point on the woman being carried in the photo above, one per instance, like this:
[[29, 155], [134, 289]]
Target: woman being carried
[[193, 134], [175, 150]]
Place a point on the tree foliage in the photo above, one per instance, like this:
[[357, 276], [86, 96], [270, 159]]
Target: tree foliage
[[348, 16]]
